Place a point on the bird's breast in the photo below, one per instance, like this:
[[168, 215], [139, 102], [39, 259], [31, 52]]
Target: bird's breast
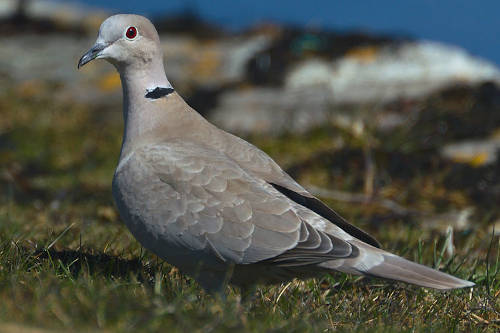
[[150, 209]]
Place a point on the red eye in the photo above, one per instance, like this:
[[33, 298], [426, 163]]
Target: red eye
[[131, 32]]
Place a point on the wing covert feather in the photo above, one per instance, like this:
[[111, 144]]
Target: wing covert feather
[[213, 204], [260, 164]]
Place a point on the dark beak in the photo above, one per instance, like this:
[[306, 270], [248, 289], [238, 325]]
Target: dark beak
[[91, 54]]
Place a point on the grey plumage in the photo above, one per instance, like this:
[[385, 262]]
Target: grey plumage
[[214, 205]]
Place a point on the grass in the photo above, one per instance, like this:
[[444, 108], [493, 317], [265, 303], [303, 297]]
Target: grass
[[67, 264]]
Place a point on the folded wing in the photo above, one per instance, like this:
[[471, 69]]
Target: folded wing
[[213, 203]]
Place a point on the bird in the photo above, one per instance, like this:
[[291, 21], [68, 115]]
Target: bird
[[214, 205]]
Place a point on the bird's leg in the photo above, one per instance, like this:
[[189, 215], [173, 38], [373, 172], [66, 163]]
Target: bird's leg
[[248, 294]]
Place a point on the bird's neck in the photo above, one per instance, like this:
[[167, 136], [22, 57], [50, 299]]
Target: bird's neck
[[143, 77], [142, 114]]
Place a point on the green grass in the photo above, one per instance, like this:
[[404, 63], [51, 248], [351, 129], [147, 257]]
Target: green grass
[[68, 264]]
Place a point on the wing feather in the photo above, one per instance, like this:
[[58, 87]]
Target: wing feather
[[214, 204]]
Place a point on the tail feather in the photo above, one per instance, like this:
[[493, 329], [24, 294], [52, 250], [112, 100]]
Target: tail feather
[[400, 269], [372, 261]]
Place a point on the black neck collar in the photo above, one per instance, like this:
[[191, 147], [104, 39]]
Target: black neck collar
[[158, 92]]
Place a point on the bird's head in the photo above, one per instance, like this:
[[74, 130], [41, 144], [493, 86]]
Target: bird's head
[[125, 40]]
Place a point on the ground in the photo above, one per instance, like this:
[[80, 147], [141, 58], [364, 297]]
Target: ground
[[68, 264]]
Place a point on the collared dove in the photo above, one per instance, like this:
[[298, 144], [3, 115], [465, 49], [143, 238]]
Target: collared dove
[[214, 205]]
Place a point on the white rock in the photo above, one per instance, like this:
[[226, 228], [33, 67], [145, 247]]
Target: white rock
[[475, 152], [312, 72], [7, 7], [272, 110], [209, 64], [410, 70]]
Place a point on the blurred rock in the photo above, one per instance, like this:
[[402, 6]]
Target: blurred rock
[[272, 110], [495, 228], [189, 64], [316, 88], [293, 45], [456, 219], [53, 58], [33, 56], [18, 16], [473, 152], [8, 8], [407, 70]]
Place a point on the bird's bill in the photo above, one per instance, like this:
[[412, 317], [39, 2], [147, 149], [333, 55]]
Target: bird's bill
[[91, 54]]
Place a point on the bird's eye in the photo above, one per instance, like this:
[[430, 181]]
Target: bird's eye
[[131, 32]]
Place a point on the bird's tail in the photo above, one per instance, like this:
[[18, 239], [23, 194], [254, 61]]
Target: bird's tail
[[375, 262], [400, 269]]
